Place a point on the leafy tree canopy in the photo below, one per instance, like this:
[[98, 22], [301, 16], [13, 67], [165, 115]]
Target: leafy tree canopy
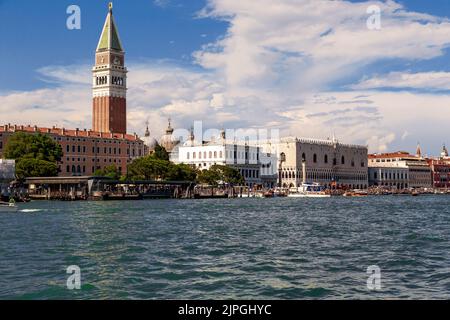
[[210, 177], [36, 168], [36, 155], [181, 172], [108, 172], [221, 174], [160, 153], [32, 146], [150, 168]]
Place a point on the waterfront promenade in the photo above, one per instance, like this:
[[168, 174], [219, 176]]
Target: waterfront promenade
[[98, 188]]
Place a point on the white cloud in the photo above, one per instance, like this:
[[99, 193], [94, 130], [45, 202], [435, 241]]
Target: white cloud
[[161, 3], [311, 43], [382, 120], [276, 67], [406, 80]]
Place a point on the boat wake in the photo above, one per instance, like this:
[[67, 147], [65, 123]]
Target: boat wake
[[30, 210]]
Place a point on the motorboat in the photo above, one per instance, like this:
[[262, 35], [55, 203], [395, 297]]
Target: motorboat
[[356, 193], [309, 190], [278, 192]]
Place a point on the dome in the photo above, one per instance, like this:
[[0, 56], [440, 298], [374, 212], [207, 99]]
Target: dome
[[149, 141], [167, 141]]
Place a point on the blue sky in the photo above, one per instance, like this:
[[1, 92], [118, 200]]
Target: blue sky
[[34, 34], [238, 64]]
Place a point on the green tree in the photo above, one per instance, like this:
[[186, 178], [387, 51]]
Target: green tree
[[181, 172], [36, 168], [210, 177], [220, 174], [108, 172], [231, 175], [32, 146], [160, 153], [36, 155], [148, 168]]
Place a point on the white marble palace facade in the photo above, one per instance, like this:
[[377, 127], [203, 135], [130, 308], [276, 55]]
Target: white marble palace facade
[[328, 162]]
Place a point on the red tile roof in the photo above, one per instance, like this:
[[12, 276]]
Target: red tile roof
[[68, 132], [399, 154]]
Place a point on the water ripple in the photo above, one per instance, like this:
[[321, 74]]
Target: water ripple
[[228, 249]]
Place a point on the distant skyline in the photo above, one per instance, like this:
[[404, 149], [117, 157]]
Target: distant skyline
[[310, 68]]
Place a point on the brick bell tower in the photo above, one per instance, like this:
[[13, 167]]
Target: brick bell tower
[[109, 81]]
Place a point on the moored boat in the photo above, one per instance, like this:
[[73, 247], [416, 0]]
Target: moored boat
[[309, 190], [356, 193], [269, 194]]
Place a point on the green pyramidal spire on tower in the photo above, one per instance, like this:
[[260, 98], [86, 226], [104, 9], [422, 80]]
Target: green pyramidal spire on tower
[[110, 37]]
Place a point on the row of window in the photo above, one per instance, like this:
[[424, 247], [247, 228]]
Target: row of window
[[330, 186], [385, 160], [96, 160], [242, 155], [325, 160], [106, 150], [110, 141], [420, 170], [249, 173], [229, 154], [391, 175], [114, 80], [323, 176], [212, 155], [82, 169]]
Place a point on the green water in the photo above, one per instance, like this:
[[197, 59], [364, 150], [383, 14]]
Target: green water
[[230, 248]]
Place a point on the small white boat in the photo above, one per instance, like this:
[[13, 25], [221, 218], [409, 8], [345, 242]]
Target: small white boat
[[8, 207], [309, 190]]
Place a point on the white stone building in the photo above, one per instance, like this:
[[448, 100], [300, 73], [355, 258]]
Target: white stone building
[[399, 170], [256, 164], [328, 162]]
